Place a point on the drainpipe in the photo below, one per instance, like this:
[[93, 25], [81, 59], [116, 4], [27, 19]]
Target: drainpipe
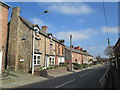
[[33, 52], [45, 57]]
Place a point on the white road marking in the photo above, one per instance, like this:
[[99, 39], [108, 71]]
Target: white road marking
[[65, 83], [83, 75]]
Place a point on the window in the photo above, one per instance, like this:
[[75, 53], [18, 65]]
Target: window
[[50, 48], [37, 59], [58, 49], [50, 38], [51, 60]]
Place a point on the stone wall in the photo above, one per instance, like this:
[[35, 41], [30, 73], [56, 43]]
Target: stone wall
[[20, 43]]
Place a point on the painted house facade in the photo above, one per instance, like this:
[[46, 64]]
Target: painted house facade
[[29, 42], [3, 33]]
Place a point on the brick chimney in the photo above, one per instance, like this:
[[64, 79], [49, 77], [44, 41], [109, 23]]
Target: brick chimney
[[78, 48], [45, 28], [62, 41], [15, 12]]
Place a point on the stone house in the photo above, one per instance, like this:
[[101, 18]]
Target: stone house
[[19, 56], [3, 33], [26, 38]]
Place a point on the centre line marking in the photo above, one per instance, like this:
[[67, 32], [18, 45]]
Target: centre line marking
[[83, 75], [65, 83]]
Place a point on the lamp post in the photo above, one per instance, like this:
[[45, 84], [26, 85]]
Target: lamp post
[[33, 42], [71, 52]]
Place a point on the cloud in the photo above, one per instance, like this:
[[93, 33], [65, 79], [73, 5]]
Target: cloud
[[39, 22], [110, 29], [71, 8], [76, 34]]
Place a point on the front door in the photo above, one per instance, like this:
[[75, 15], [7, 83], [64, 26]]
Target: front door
[[47, 61]]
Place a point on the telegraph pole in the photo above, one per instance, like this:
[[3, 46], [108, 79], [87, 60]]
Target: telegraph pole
[[71, 52]]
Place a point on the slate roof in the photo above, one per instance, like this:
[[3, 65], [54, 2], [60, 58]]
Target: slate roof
[[27, 22], [4, 4], [118, 41], [41, 31], [77, 51]]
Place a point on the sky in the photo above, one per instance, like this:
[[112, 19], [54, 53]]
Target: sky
[[85, 21]]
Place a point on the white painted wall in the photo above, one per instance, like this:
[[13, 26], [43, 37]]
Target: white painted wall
[[61, 60]]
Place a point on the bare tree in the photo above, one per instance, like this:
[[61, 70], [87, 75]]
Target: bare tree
[[109, 51]]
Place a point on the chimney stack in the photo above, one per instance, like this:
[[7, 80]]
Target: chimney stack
[[78, 48], [62, 41], [72, 46], [15, 12], [45, 28]]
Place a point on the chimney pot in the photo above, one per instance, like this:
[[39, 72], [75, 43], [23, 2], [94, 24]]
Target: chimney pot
[[45, 28]]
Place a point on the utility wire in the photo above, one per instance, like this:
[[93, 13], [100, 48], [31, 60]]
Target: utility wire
[[106, 22], [107, 32]]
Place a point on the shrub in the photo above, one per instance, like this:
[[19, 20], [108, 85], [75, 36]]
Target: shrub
[[48, 68], [51, 67], [56, 66], [41, 68], [77, 66]]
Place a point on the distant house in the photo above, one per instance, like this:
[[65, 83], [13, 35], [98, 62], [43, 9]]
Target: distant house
[[3, 33], [77, 55], [48, 50]]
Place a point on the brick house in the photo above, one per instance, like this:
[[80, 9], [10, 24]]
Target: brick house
[[90, 59], [60, 52], [77, 54], [24, 38], [3, 33]]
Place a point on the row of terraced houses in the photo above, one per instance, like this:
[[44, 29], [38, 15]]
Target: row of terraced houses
[[22, 42]]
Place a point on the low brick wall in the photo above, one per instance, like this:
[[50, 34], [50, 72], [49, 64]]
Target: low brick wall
[[50, 71]]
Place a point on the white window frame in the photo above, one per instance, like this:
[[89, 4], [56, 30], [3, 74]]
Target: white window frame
[[37, 59], [52, 60]]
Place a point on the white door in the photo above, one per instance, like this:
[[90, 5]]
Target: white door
[[0, 62], [47, 61], [61, 60]]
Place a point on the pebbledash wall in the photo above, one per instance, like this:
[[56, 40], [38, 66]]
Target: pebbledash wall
[[48, 50], [3, 33]]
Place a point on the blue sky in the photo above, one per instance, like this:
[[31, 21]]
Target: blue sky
[[85, 21]]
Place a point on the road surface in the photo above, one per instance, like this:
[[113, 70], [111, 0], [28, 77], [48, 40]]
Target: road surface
[[84, 79]]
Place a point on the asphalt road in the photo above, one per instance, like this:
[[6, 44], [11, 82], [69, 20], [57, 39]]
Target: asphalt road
[[85, 79]]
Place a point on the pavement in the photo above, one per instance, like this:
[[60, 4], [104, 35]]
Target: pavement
[[115, 78], [22, 78]]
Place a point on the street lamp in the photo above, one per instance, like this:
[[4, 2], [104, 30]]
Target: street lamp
[[71, 52], [35, 30]]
